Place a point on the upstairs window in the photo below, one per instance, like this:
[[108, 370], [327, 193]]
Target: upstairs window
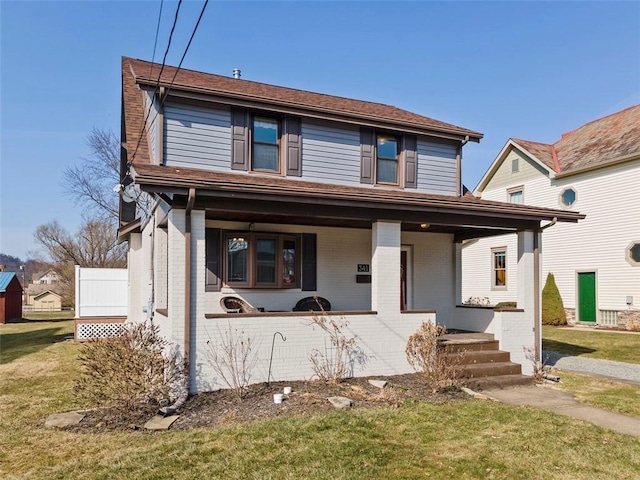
[[265, 153], [633, 254], [499, 268], [516, 195], [386, 159]]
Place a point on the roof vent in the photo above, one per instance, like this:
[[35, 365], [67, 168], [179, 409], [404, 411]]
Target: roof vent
[[236, 73]]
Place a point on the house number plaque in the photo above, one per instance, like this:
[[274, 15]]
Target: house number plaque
[[363, 268]]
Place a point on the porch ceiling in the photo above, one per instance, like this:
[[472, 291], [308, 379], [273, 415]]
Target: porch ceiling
[[269, 199]]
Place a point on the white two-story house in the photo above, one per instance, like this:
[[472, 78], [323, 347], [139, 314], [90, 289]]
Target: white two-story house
[[594, 169], [271, 195]]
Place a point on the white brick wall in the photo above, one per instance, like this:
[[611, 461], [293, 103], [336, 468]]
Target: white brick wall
[[385, 267], [382, 340], [136, 275]]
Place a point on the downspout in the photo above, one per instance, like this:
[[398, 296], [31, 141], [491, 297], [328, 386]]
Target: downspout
[[187, 279], [170, 410], [459, 166], [536, 289]]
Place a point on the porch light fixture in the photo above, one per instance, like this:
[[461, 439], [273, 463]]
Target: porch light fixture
[[424, 226]]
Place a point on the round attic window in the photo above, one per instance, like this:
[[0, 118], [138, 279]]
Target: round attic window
[[633, 252], [568, 197]]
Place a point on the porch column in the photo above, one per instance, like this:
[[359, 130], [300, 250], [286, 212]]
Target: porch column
[[385, 267], [457, 277], [526, 276], [136, 279]]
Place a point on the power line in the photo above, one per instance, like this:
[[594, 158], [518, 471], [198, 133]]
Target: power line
[[157, 87], [155, 43]]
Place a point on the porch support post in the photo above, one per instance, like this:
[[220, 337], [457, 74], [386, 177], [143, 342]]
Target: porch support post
[[526, 277], [457, 277], [385, 267], [136, 279]]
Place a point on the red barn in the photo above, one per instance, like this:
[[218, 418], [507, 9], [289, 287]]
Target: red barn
[[10, 297]]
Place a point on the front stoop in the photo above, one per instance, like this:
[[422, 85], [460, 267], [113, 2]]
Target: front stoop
[[483, 365]]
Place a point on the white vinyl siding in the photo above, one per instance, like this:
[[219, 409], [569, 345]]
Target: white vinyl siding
[[528, 170], [197, 137], [436, 168], [330, 155], [609, 197]]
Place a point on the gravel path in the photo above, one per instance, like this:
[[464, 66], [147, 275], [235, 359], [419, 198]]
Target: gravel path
[[608, 368]]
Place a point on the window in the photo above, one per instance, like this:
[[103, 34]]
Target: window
[[265, 154], [516, 195], [386, 159], [568, 197], [515, 165], [633, 254], [499, 268], [262, 260]]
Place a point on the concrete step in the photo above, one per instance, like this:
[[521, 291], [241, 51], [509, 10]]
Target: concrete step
[[503, 381], [480, 356], [452, 346], [489, 369]]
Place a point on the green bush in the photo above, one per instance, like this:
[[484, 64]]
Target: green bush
[[507, 305], [552, 307]]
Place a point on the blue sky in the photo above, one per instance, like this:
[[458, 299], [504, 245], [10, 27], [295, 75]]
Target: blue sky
[[528, 70]]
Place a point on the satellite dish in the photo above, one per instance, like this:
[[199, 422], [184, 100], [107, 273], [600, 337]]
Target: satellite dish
[[129, 193]]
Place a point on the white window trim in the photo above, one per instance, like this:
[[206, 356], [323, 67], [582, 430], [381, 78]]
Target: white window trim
[[495, 287], [519, 188], [560, 200], [627, 255]]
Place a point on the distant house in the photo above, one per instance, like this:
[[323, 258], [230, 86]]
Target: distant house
[[47, 301], [10, 297], [47, 277], [594, 169]]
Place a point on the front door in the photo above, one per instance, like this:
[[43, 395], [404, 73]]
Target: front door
[[587, 296]]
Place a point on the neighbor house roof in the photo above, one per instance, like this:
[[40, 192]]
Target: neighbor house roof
[[5, 280], [46, 292], [599, 143], [139, 72]]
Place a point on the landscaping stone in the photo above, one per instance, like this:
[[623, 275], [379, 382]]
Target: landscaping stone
[[160, 423], [340, 402], [378, 383], [61, 420]]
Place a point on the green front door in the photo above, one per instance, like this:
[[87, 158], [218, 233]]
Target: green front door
[[587, 297]]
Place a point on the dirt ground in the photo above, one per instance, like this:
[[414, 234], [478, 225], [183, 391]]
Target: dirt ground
[[223, 407]]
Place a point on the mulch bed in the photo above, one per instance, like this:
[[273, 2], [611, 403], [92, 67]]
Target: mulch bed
[[223, 407]]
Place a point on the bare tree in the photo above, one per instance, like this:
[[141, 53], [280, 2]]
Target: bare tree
[[91, 182], [94, 245]]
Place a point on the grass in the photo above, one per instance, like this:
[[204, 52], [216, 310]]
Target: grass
[[620, 347], [616, 396], [462, 440], [48, 316]]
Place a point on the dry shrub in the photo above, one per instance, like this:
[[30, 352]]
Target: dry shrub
[[233, 359], [337, 360], [426, 354], [128, 370], [540, 367]]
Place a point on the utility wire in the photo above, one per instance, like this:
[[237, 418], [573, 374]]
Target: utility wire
[[157, 87], [155, 43]]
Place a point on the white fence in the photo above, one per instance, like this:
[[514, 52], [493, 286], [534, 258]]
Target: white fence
[[101, 292]]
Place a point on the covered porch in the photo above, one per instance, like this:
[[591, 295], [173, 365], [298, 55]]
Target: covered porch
[[387, 260]]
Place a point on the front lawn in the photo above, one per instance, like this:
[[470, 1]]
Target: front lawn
[[462, 440], [617, 346], [617, 396]]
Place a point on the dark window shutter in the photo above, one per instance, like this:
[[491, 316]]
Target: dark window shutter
[[294, 146], [309, 262], [410, 161], [213, 282], [366, 155], [239, 139]]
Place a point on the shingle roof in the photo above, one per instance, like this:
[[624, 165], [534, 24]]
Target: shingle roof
[[145, 73], [596, 143], [176, 178], [5, 279]]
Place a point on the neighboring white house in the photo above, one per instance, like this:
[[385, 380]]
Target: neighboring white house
[[594, 169], [270, 195]]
